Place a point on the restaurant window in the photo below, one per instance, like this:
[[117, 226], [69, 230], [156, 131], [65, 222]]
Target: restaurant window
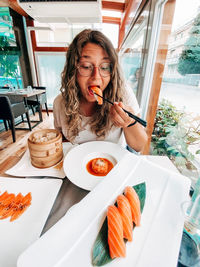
[[177, 124], [139, 50], [10, 71], [49, 67], [133, 51], [62, 34]]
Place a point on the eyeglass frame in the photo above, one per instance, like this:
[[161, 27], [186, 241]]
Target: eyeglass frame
[[93, 66]]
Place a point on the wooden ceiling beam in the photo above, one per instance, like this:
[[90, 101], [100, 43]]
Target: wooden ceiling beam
[[113, 6], [111, 20]]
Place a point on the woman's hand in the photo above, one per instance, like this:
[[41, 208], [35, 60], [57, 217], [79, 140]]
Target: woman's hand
[[135, 135], [120, 118]]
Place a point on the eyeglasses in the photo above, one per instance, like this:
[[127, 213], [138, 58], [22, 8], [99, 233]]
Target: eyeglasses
[[86, 69]]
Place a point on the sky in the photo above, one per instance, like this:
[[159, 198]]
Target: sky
[[184, 10]]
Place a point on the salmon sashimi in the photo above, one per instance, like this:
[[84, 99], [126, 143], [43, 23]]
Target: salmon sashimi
[[126, 215], [6, 202], [134, 201], [8, 207], [21, 207], [13, 206], [97, 90], [3, 196], [116, 243]]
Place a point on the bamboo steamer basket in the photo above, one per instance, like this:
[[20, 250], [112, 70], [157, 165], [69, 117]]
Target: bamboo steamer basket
[[45, 147]]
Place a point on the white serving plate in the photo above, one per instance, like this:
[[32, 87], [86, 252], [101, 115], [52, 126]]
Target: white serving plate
[[24, 168], [155, 243], [75, 161], [16, 236]]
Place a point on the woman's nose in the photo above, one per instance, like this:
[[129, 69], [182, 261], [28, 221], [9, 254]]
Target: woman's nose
[[96, 73]]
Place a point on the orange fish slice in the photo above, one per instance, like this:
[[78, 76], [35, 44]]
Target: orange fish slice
[[7, 210], [12, 207], [125, 212], [134, 201], [116, 243], [6, 202], [97, 90], [5, 194], [3, 197], [21, 207]]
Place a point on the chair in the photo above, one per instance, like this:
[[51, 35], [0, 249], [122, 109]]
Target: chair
[[39, 100], [8, 113]]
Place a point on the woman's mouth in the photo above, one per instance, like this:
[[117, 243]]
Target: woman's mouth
[[90, 89]]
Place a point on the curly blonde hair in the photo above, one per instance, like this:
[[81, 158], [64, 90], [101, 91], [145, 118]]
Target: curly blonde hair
[[99, 122]]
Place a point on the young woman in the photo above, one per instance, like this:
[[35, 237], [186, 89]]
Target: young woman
[[91, 60]]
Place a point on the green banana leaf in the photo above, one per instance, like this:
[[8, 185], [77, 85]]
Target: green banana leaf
[[100, 253]]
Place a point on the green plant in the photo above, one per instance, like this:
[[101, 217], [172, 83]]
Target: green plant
[[9, 60], [176, 134], [166, 117]]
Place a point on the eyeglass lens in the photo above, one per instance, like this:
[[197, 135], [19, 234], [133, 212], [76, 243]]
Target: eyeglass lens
[[86, 69]]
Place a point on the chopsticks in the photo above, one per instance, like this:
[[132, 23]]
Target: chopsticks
[[141, 121]]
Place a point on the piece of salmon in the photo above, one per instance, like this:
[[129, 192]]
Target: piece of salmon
[[8, 199], [116, 243], [126, 215], [3, 196], [97, 90], [134, 201], [10, 209], [21, 207]]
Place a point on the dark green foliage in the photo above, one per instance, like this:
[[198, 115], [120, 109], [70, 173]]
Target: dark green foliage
[[9, 59], [166, 117], [174, 132], [189, 61]]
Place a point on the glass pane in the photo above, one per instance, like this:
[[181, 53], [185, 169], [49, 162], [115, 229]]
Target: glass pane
[[50, 66], [10, 72], [177, 124], [7, 37], [133, 54], [181, 79], [112, 32], [62, 34]]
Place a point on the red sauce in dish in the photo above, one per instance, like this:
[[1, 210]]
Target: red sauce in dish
[[90, 169]]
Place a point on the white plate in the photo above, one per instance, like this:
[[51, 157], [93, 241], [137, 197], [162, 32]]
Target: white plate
[[16, 236], [24, 168], [76, 160], [155, 243]]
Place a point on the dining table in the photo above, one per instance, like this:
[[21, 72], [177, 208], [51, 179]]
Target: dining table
[[71, 196], [25, 93]]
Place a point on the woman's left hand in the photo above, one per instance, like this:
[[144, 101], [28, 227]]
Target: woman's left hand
[[120, 118]]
